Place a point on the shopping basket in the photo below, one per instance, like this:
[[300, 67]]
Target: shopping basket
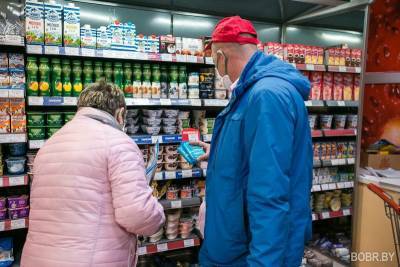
[[392, 210]]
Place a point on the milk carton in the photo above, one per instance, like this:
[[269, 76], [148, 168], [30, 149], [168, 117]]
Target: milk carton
[[88, 37], [103, 38], [129, 36], [52, 24], [72, 25], [141, 42], [117, 35], [34, 22]]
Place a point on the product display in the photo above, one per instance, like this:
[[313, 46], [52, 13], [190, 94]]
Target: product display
[[42, 125], [334, 150], [332, 200], [331, 175], [330, 121]]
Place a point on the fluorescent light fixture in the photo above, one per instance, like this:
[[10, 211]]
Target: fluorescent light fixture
[[184, 22], [96, 16], [341, 38], [292, 29]]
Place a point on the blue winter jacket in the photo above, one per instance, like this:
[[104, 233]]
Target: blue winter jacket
[[260, 171]]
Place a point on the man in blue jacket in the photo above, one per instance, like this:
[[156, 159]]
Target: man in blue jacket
[[260, 161]]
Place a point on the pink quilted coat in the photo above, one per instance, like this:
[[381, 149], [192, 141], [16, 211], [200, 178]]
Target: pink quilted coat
[[89, 198]]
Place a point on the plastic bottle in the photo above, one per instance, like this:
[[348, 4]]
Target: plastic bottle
[[87, 73], [76, 78], [128, 89], [66, 77], [98, 71], [32, 77], [44, 74], [108, 72], [182, 83], [117, 74], [56, 84]]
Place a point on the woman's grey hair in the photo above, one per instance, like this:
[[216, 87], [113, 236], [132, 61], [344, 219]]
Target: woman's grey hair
[[104, 96]]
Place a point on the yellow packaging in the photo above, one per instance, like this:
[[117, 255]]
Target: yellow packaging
[[4, 123], [4, 106], [17, 106], [18, 124]]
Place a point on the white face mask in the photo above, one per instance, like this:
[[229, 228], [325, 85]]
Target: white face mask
[[226, 81]]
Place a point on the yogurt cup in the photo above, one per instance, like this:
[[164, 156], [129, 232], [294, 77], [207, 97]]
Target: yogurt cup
[[169, 129], [3, 214], [220, 94], [132, 129], [172, 236], [171, 113], [159, 167], [170, 158], [16, 165], [154, 113], [171, 149], [152, 121], [183, 115], [339, 121], [172, 193], [16, 202], [132, 113], [2, 203], [151, 130], [326, 121], [169, 121]]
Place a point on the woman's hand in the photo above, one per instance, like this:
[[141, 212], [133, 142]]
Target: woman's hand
[[206, 148]]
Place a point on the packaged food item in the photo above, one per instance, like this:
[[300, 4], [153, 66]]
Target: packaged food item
[[316, 81], [88, 36], [72, 24], [312, 121], [171, 149], [127, 80], [169, 121], [18, 213], [338, 86], [157, 236], [153, 44], [186, 192], [17, 106], [190, 153], [17, 78], [356, 57], [326, 121], [152, 121], [342, 56], [5, 123], [18, 123], [3, 61], [17, 149], [3, 214], [170, 157], [56, 88], [153, 130], [77, 85], [2, 203], [347, 57], [52, 23], [34, 22], [51, 130], [44, 74], [129, 38], [171, 166], [169, 129], [36, 133], [15, 165], [4, 78], [341, 150], [339, 121], [66, 77], [167, 44], [351, 122], [183, 114], [330, 56], [348, 86], [337, 56], [54, 119], [183, 164], [15, 61], [192, 46], [356, 87], [327, 86], [103, 38], [152, 113], [15, 202], [5, 106]]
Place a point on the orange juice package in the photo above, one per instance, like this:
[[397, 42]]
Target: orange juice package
[[4, 106], [338, 86], [327, 86], [4, 123], [356, 57], [348, 87], [17, 106], [356, 87], [18, 123]]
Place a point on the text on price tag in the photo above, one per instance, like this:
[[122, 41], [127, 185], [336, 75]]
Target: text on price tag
[[170, 175], [165, 102], [17, 224], [16, 180], [87, 52], [72, 51], [187, 173], [51, 50], [142, 250], [325, 215], [188, 243], [162, 247], [346, 212], [310, 67], [176, 204], [166, 57]]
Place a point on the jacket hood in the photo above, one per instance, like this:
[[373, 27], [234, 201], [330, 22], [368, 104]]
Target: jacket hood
[[261, 66]]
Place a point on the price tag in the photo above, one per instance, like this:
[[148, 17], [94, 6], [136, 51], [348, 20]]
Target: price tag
[[348, 184], [191, 59], [341, 161], [4, 138], [358, 69], [180, 58], [314, 217], [209, 60], [170, 175], [188, 243], [187, 173], [16, 180], [334, 162], [176, 204], [72, 51], [16, 93], [142, 251], [195, 102], [4, 93], [342, 69], [351, 161], [155, 138], [325, 215], [166, 57], [2, 226], [70, 101], [346, 212], [341, 103], [158, 176], [88, 52], [35, 101], [308, 103], [324, 187], [162, 247], [207, 137], [340, 185], [316, 188], [332, 186], [165, 102], [34, 49], [142, 56], [17, 224], [51, 50], [310, 67], [34, 144], [107, 53], [141, 102]]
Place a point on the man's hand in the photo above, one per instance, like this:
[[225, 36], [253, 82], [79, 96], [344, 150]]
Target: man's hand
[[206, 148]]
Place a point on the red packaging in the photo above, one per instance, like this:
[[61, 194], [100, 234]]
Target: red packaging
[[348, 87], [279, 50], [296, 49], [337, 56], [342, 57], [289, 53], [327, 86], [302, 54], [356, 87], [316, 85], [338, 86], [356, 57], [333, 150], [320, 56], [347, 57], [330, 55], [190, 134], [308, 55]]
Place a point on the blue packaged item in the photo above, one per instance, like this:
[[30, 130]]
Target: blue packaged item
[[190, 153], [17, 149], [6, 252]]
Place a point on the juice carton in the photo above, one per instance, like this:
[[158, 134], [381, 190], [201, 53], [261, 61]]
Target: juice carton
[[129, 36], [3, 61], [88, 37], [141, 42], [314, 55], [4, 123], [316, 81], [17, 106], [337, 56], [296, 53], [347, 57], [338, 86], [153, 44], [103, 38], [178, 44], [327, 86], [348, 86], [342, 57], [117, 35], [18, 123], [302, 54], [34, 22], [52, 24], [167, 44], [4, 106], [72, 25], [16, 61], [356, 87]]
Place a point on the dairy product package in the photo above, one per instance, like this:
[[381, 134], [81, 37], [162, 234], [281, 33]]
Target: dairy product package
[[53, 24], [72, 25], [153, 44], [103, 38], [34, 22], [129, 41], [88, 37], [117, 35], [190, 153]]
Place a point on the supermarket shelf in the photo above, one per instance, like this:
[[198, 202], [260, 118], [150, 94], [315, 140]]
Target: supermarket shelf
[[314, 216], [215, 102], [10, 92], [36, 144], [162, 102], [8, 225], [333, 162], [12, 40], [180, 203], [114, 54], [309, 67], [336, 261], [152, 139], [340, 132], [13, 138], [333, 214], [168, 245], [314, 103], [316, 133], [344, 69], [332, 186], [178, 174], [52, 101], [332, 103], [13, 180]]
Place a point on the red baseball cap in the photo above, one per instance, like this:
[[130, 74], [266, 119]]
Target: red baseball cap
[[230, 30]]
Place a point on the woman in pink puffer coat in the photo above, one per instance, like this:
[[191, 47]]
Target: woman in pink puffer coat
[[89, 196]]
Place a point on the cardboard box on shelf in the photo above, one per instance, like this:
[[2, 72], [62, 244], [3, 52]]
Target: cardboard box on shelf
[[18, 123], [316, 85], [338, 86], [380, 161], [327, 86], [348, 87], [167, 44]]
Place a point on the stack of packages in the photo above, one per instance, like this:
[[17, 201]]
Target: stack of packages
[[132, 119], [151, 121], [14, 207], [169, 121], [206, 84]]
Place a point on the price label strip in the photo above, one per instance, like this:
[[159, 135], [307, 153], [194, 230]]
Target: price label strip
[[162, 247], [51, 50], [18, 224], [346, 212], [176, 204], [16, 180], [188, 243]]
